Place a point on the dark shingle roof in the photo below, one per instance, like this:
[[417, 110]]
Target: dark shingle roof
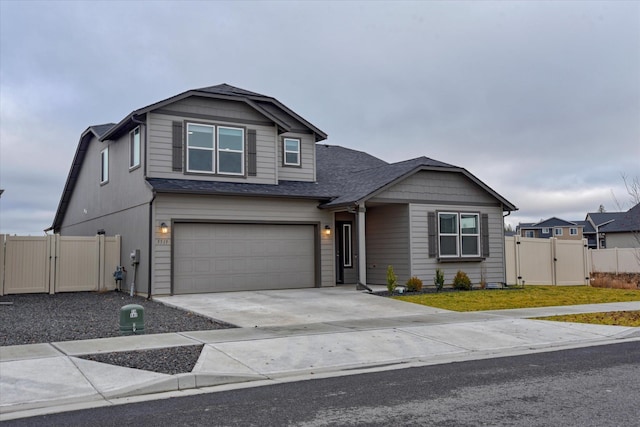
[[343, 177], [100, 130], [625, 222], [226, 89]]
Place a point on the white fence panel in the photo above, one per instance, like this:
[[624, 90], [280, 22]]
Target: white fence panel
[[616, 260], [571, 262]]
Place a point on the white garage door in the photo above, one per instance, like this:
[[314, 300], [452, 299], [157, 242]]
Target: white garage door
[[241, 257]]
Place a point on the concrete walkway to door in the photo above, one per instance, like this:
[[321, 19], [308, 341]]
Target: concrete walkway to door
[[295, 306]]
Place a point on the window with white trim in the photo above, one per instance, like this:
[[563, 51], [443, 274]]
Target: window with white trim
[[573, 231], [230, 150], [528, 233], [458, 234], [291, 152], [134, 148], [215, 149], [557, 231], [545, 230], [104, 166]]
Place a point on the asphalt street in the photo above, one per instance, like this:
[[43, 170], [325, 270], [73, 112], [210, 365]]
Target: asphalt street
[[592, 386]]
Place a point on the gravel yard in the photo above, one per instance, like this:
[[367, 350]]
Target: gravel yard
[[43, 318]]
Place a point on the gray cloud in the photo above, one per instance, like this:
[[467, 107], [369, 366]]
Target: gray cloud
[[541, 100]]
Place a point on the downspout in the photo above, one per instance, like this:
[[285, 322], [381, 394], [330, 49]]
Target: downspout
[[150, 241], [504, 252]]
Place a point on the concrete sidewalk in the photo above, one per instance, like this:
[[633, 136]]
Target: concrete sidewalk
[[46, 378]]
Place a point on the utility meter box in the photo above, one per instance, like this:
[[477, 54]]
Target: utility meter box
[[132, 320]]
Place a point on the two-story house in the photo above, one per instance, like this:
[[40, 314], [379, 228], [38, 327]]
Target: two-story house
[[223, 189], [552, 227], [615, 229]]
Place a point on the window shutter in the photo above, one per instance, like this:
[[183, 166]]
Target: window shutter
[[484, 229], [251, 153], [431, 233], [177, 147]]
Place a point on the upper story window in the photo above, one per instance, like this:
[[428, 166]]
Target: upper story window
[[230, 150], [557, 231], [104, 166], [134, 148], [459, 234], [291, 152], [215, 149], [573, 231]]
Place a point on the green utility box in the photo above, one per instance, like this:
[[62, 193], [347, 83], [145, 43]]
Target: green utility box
[[132, 320]]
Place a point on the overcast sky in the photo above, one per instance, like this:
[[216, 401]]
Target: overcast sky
[[540, 100]]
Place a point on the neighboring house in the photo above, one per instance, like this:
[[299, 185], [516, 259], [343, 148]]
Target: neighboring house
[[615, 229], [552, 227], [223, 189]]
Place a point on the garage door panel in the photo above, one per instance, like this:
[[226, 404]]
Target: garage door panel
[[228, 257]]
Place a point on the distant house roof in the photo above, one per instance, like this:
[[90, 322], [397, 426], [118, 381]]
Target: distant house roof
[[344, 177], [587, 228], [624, 222], [549, 223]]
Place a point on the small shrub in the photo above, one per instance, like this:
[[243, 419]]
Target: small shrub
[[462, 281], [392, 280], [615, 281], [414, 284], [439, 279]]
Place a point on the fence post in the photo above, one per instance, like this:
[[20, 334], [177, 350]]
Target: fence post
[[53, 249], [101, 260], [516, 249], [1, 264]]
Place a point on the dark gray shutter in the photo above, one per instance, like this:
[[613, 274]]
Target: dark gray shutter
[[251, 153], [177, 147], [431, 233], [484, 230]]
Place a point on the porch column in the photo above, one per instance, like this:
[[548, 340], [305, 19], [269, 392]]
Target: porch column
[[362, 251]]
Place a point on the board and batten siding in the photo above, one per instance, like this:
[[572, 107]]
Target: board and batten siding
[[161, 151], [306, 170], [387, 243], [174, 207]]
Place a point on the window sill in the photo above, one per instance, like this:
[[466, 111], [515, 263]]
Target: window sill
[[461, 259], [132, 168]]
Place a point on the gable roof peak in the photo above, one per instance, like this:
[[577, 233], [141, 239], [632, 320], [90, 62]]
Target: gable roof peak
[[227, 89]]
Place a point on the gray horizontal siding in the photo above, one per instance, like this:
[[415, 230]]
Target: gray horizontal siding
[[431, 186], [306, 170], [387, 243], [220, 208], [160, 152], [424, 267]]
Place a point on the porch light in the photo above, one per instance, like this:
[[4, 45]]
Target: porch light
[[327, 230], [164, 228]]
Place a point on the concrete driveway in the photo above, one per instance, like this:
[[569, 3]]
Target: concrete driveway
[[295, 306]]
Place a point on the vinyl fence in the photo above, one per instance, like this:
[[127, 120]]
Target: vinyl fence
[[546, 261], [616, 260], [54, 263], [563, 262]]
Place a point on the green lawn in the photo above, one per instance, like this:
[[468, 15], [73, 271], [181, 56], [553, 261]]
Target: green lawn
[[530, 296]]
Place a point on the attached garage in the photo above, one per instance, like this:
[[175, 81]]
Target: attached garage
[[221, 257]]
